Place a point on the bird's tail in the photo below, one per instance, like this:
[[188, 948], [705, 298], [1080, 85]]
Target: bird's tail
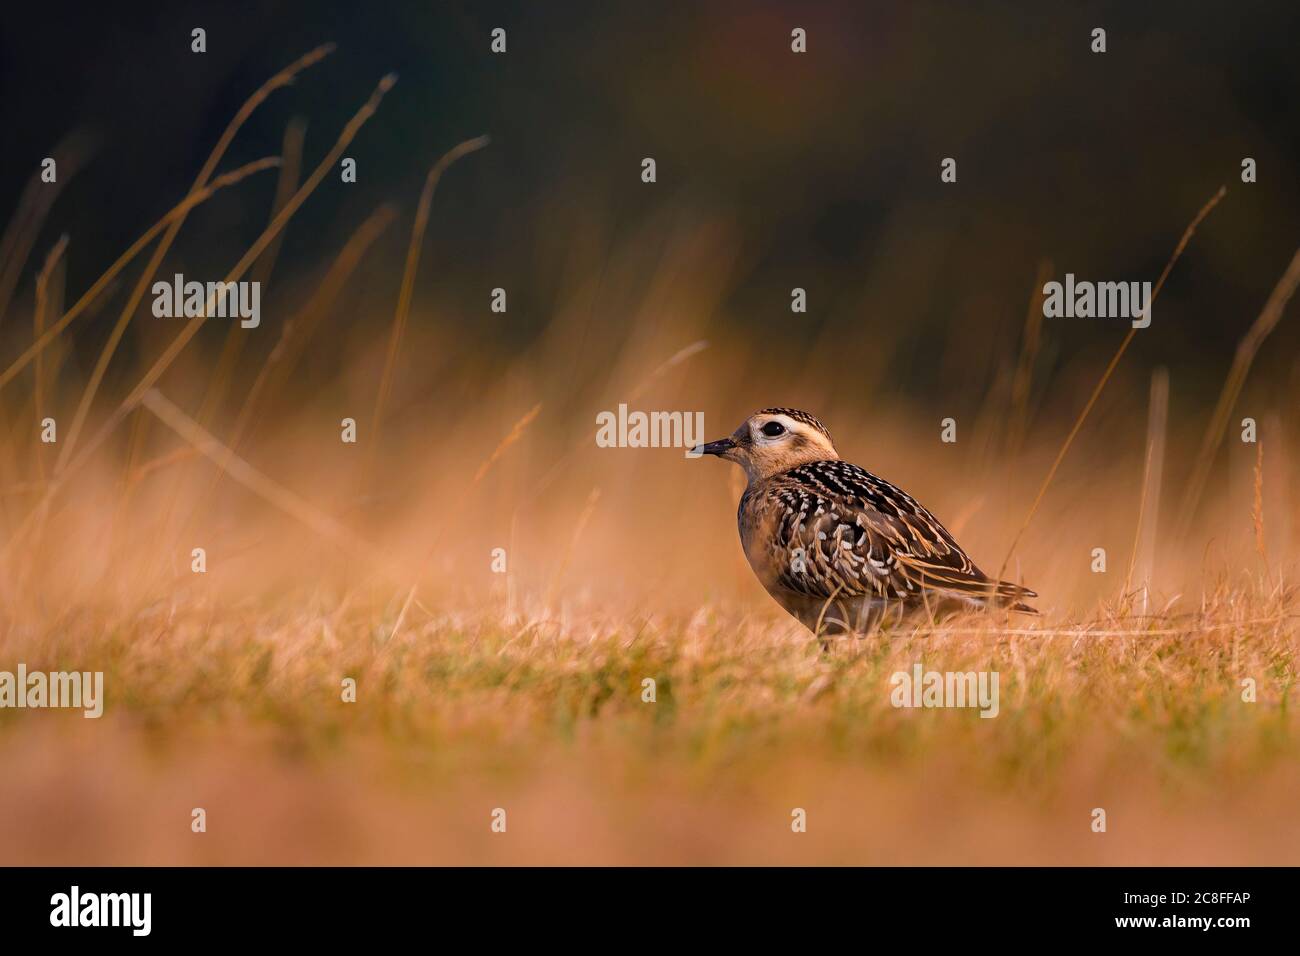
[[1009, 595], [972, 584]]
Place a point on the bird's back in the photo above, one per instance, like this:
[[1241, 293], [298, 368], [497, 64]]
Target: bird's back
[[829, 533]]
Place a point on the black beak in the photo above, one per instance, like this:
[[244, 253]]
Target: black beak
[[716, 447]]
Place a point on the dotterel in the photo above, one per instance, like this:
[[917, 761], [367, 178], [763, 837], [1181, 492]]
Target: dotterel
[[836, 546]]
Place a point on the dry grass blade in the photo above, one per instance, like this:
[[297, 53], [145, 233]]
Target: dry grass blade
[[38, 324], [681, 355], [281, 79], [1257, 511], [408, 278], [515, 434], [677, 358], [578, 527], [188, 332], [821, 615], [1110, 370], [100, 284], [1264, 324], [147, 468], [286, 183], [299, 328], [1144, 535], [1021, 384], [295, 136], [182, 339], [251, 478], [284, 78], [33, 206]]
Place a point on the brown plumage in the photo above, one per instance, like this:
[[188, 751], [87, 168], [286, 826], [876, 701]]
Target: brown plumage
[[836, 546]]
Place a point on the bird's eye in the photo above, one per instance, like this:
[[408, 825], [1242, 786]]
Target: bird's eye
[[772, 429]]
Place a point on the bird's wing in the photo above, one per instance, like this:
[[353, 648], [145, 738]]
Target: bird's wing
[[834, 529]]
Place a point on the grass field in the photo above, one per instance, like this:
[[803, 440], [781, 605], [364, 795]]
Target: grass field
[[239, 711]]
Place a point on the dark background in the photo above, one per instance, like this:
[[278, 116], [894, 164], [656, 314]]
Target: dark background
[[1096, 162]]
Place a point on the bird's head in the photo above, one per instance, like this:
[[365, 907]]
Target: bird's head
[[772, 441]]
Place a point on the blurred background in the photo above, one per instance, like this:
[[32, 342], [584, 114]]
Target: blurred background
[[775, 171]]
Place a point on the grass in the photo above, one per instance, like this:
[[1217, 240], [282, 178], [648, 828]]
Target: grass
[[457, 715]]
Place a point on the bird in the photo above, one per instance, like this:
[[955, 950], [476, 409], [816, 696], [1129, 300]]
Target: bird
[[838, 547]]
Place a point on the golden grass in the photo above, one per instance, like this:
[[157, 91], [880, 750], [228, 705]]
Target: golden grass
[[1144, 535], [103, 282], [48, 270], [248, 476], [33, 207], [1106, 375], [297, 330], [281, 79], [422, 210], [285, 186], [239, 711], [1257, 505], [1263, 326]]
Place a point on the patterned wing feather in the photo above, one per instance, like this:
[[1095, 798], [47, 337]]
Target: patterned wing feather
[[833, 528]]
